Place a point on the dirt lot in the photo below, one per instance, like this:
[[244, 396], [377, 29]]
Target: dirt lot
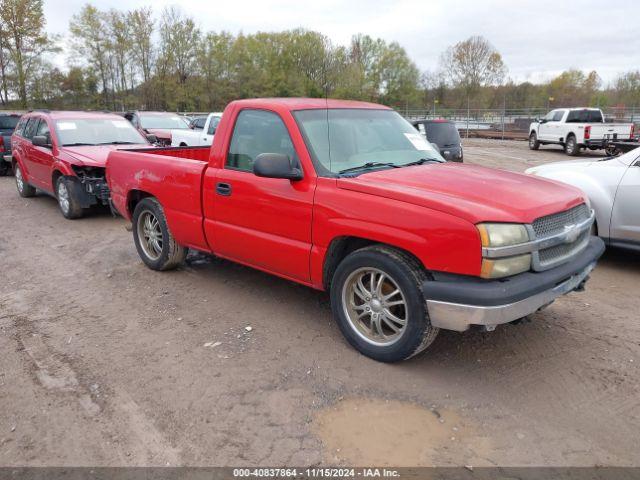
[[104, 363]]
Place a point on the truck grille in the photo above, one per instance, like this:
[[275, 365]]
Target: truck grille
[[554, 225]]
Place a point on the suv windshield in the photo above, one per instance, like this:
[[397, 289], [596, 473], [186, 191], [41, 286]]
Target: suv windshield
[[8, 122], [97, 131], [346, 139], [443, 134], [169, 121]]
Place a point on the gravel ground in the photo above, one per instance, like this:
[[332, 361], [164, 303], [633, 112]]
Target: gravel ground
[[104, 363]]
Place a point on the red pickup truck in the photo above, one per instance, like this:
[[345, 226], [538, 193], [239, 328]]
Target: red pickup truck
[[347, 197]]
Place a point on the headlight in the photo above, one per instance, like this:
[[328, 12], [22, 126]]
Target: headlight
[[504, 267], [494, 235], [502, 234]]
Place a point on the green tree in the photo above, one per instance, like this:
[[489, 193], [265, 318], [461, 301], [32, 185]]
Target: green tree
[[25, 40]]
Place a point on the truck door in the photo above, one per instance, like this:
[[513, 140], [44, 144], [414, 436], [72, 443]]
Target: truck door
[[545, 128], [625, 219], [262, 222]]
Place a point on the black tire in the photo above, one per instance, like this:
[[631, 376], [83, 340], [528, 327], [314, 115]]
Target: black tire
[[169, 254], [408, 276], [571, 147], [534, 144], [24, 189], [67, 198], [612, 151], [5, 168]]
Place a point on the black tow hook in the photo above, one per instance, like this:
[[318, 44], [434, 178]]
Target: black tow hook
[[580, 287]]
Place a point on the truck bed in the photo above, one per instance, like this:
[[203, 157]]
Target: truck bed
[[190, 153]]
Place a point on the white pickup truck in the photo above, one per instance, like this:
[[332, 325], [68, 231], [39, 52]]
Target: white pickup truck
[[195, 138], [575, 129]]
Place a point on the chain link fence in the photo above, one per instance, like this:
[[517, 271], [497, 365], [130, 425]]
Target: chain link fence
[[511, 124]]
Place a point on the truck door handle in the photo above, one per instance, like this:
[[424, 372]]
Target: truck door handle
[[223, 189]]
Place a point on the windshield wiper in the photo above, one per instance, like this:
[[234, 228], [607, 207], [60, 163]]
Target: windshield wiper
[[421, 161], [79, 144], [116, 143], [369, 165]]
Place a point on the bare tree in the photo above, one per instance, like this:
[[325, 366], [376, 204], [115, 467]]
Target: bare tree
[[472, 64], [141, 26]]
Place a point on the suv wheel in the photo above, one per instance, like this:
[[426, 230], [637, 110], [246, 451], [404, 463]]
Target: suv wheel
[[155, 244], [24, 189], [377, 300], [67, 201]]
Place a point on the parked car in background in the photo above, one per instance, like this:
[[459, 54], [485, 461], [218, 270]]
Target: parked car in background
[[575, 129], [64, 155], [8, 122], [347, 197], [445, 135], [192, 138], [197, 123], [160, 124], [613, 187]]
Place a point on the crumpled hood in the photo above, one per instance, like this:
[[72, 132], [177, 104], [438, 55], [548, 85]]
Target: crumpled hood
[[475, 193], [95, 155]]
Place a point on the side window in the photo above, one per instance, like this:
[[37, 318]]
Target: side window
[[43, 130], [20, 126], [213, 125], [30, 128], [256, 132], [550, 115], [200, 122], [558, 115]]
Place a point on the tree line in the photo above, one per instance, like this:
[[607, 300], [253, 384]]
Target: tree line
[[132, 59]]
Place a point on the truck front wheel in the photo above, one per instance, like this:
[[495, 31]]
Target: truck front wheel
[[155, 244], [377, 300], [534, 144], [571, 147]]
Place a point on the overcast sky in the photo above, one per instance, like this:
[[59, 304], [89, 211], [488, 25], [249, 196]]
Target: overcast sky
[[537, 39]]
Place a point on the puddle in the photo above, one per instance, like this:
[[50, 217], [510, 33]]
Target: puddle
[[361, 432]]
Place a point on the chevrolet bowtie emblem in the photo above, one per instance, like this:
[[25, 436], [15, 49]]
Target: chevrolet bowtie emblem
[[571, 233]]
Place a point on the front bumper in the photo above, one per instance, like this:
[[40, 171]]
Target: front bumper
[[456, 302]]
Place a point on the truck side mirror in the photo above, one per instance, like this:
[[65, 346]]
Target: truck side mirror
[[275, 165], [40, 141], [152, 138]]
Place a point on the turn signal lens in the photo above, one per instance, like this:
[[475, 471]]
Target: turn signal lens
[[505, 267]]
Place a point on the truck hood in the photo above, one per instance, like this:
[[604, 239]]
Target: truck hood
[[95, 155], [475, 193]]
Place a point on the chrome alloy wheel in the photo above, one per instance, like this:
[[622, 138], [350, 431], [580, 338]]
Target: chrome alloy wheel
[[150, 235], [375, 306], [19, 179], [63, 197]]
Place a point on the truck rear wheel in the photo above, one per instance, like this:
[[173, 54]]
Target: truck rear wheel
[[24, 189], [571, 147], [377, 300], [155, 244], [534, 144]]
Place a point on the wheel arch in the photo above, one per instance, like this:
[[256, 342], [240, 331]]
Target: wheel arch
[[134, 197], [340, 247]]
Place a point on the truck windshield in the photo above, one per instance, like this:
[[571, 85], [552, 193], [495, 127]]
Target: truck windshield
[[342, 140], [97, 131], [584, 116], [167, 122]]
